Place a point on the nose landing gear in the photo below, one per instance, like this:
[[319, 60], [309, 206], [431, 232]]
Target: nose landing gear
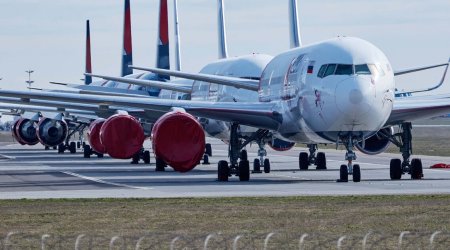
[[350, 168], [318, 159]]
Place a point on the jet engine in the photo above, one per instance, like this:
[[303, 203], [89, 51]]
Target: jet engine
[[52, 132], [122, 136], [280, 145], [94, 136], [24, 131], [178, 140], [377, 143]]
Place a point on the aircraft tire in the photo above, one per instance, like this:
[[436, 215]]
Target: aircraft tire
[[343, 173], [356, 173], [244, 170], [395, 169], [160, 165], [321, 161], [303, 161], [266, 166], [208, 149], [146, 157], [256, 165], [416, 169], [222, 171]]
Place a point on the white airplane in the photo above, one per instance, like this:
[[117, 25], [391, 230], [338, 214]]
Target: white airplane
[[336, 91]]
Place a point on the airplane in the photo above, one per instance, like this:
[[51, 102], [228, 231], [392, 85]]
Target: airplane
[[300, 100]]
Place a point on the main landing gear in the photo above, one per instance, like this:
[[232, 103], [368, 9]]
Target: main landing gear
[[208, 153], [319, 160], [141, 155], [239, 164], [403, 140]]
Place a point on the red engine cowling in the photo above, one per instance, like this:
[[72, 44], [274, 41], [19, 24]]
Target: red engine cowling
[[94, 136], [280, 145], [24, 130], [179, 140], [122, 136], [52, 132], [14, 133]]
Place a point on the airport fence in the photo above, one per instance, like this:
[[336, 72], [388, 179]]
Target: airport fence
[[272, 240]]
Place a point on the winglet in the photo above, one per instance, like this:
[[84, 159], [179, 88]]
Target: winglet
[[88, 69], [294, 25], [163, 60], [223, 51], [127, 53]]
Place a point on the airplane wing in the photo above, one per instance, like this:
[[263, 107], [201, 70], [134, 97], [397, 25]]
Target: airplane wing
[[439, 84], [411, 109], [240, 83], [183, 88], [261, 115]]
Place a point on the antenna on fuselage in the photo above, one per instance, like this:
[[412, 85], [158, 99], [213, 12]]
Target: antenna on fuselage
[[294, 25], [177, 37], [223, 51]]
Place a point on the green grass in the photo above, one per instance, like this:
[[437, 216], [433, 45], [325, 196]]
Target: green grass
[[253, 217]]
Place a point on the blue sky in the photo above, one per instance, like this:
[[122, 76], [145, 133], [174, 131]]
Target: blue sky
[[48, 36]]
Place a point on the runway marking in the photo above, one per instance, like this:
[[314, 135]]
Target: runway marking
[[105, 182]]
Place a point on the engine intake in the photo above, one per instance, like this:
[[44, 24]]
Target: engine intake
[[94, 136], [377, 143], [280, 145], [52, 132], [24, 130], [178, 140], [122, 136]]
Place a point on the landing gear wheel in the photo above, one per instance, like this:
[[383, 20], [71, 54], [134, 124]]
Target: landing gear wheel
[[244, 155], [87, 151], [160, 165], [244, 170], [343, 174], [55, 147], [72, 147], [99, 155], [395, 169], [256, 166], [135, 159], [266, 166], [356, 173], [205, 159], [78, 144], [47, 148], [303, 161], [223, 171], [321, 161], [61, 148], [146, 157], [208, 149], [416, 169]]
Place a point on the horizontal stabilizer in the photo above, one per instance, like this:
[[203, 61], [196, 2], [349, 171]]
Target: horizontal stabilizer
[[236, 82]]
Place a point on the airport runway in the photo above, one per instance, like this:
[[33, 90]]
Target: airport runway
[[32, 172]]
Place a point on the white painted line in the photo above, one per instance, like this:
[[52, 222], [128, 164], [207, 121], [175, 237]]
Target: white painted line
[[105, 182]]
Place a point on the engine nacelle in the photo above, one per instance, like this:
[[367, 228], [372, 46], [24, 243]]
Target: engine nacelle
[[122, 136], [376, 144], [51, 132], [24, 131], [179, 140], [94, 136], [280, 145]]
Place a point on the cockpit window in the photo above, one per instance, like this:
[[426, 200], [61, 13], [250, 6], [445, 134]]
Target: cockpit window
[[349, 69], [344, 69], [362, 69], [330, 70]]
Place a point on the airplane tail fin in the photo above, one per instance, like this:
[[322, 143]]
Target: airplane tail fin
[[127, 53], [295, 35], [177, 36], [163, 60], [223, 51], [88, 69]]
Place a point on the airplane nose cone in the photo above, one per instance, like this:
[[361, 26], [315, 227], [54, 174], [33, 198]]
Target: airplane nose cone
[[352, 96]]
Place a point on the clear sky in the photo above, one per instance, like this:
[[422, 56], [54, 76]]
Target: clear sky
[[48, 35]]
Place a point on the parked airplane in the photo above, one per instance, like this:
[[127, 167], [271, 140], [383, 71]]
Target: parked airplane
[[337, 91]]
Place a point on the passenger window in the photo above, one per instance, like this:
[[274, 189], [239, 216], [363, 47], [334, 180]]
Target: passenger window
[[344, 69], [362, 69], [330, 70], [322, 71]]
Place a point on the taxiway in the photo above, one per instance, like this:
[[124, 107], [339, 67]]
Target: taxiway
[[32, 172]]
